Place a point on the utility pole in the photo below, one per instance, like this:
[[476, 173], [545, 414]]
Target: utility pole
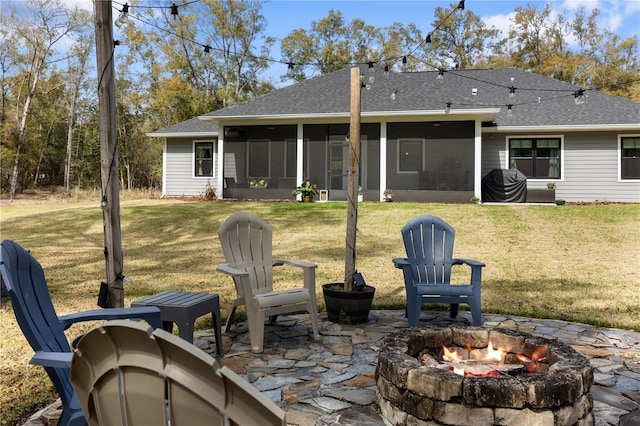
[[108, 152], [352, 186]]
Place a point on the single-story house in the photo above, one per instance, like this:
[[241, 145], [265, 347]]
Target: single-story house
[[427, 136]]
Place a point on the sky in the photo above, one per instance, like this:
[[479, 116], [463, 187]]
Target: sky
[[283, 16]]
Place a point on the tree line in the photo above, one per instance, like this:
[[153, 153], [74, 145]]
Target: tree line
[[213, 54]]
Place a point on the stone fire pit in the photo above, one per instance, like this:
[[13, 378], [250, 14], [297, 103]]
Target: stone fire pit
[[414, 388]]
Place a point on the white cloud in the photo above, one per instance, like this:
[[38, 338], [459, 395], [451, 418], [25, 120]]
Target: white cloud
[[500, 22]]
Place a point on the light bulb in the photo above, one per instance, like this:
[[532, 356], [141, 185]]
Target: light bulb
[[512, 93], [290, 69], [122, 19], [123, 41], [447, 109], [404, 63], [394, 94], [509, 110], [440, 77], [386, 71], [372, 73], [579, 97]]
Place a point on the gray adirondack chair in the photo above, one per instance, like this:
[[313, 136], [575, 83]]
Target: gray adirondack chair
[[247, 242], [126, 373], [44, 330], [428, 241]]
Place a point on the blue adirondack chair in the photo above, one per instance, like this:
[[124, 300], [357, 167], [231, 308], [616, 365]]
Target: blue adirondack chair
[[428, 241], [44, 330]]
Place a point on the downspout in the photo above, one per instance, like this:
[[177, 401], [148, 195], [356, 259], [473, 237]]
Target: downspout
[[383, 159], [477, 163], [220, 179]]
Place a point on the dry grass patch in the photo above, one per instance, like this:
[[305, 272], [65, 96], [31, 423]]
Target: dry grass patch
[[574, 262]]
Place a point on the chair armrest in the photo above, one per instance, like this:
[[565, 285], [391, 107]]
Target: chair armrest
[[469, 262], [52, 359], [294, 262], [150, 314], [400, 262], [476, 270], [309, 272], [225, 268]]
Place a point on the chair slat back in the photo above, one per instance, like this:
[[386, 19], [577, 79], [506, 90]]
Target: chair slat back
[[428, 241], [31, 302], [247, 243], [125, 372]]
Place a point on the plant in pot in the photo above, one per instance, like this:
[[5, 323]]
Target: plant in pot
[[350, 301], [388, 195], [306, 190]]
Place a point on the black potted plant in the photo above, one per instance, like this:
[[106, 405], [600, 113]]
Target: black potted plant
[[350, 301], [306, 190]]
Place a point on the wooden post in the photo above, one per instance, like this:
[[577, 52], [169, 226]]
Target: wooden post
[[108, 152], [352, 189]]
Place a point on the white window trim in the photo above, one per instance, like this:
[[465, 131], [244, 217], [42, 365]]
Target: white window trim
[[214, 158], [249, 142], [286, 158], [619, 158], [508, 154], [398, 155]]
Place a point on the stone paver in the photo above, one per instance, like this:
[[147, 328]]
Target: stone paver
[[331, 382]]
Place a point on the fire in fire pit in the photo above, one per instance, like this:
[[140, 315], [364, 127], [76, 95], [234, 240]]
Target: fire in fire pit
[[489, 361], [478, 376]]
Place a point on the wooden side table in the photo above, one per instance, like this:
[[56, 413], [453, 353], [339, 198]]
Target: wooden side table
[[183, 308]]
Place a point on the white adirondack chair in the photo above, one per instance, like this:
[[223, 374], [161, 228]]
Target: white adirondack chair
[[247, 242]]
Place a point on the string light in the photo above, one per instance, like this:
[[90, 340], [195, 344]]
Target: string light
[[579, 95], [447, 108], [174, 11], [394, 94], [122, 19]]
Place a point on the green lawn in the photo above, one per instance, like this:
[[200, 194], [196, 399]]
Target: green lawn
[[575, 262]]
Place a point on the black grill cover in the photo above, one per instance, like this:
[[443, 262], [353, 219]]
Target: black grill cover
[[509, 186]]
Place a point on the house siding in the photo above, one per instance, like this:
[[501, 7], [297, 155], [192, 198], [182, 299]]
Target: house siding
[[590, 167], [178, 170], [591, 170]]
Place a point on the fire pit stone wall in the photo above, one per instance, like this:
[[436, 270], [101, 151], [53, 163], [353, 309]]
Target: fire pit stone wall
[[412, 389]]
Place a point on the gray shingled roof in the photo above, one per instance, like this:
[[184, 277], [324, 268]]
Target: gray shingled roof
[[191, 127], [540, 101]]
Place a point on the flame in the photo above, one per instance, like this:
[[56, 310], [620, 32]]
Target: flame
[[448, 355], [459, 371], [495, 354]]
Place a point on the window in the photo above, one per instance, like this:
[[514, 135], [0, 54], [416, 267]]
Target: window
[[410, 155], [290, 157], [258, 158], [536, 158], [630, 157], [203, 159]]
